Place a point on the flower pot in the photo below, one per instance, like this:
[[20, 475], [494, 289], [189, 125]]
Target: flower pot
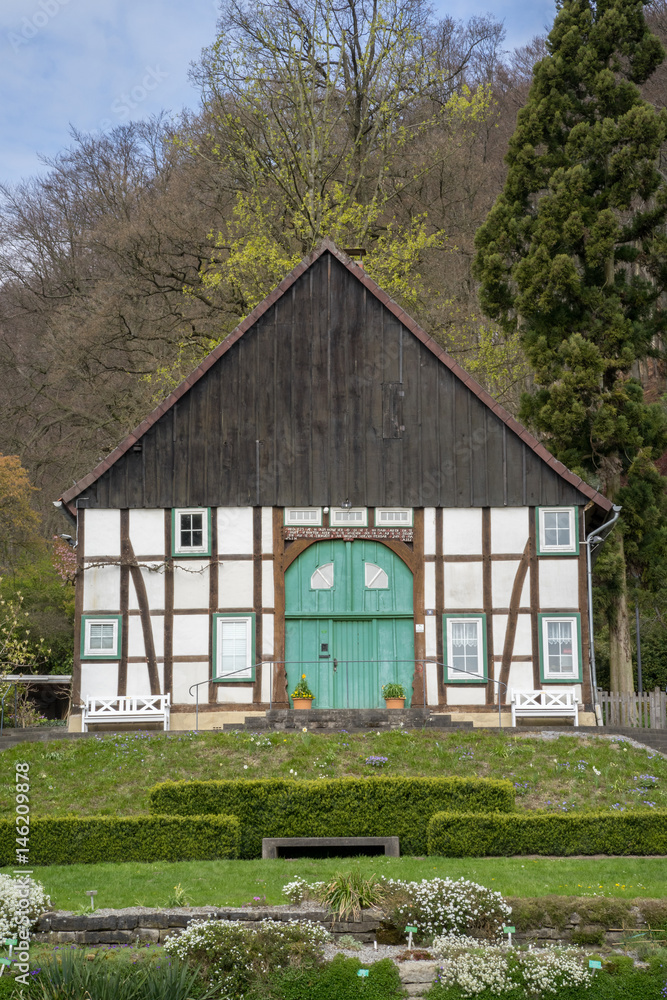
[[395, 702], [302, 704]]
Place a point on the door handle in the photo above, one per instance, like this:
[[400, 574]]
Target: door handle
[[335, 665]]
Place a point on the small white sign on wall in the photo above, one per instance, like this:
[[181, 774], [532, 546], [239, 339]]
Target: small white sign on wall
[[419, 628]]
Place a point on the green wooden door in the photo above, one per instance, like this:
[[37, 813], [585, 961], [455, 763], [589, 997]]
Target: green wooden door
[[349, 623]]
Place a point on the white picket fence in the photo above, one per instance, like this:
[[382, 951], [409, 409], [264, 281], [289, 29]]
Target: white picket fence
[[647, 711]]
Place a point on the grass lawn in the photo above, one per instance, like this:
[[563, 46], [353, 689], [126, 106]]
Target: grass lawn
[[232, 883], [112, 774]]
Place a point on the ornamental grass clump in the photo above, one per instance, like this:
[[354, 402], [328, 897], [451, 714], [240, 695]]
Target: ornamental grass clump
[[445, 906], [20, 900], [348, 893], [234, 956]]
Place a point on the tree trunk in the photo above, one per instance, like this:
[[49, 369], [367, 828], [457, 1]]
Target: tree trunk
[[620, 646]]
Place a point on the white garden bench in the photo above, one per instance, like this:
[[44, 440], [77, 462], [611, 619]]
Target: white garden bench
[[545, 703], [127, 708]]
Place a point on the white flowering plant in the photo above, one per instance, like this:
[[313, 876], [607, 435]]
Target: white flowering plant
[[299, 891], [17, 904], [233, 955], [473, 968], [446, 906]]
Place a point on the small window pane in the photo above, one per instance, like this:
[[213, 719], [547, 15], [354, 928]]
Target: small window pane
[[560, 655], [323, 577], [465, 646], [101, 635], [296, 515], [233, 656], [557, 533], [394, 516], [355, 516], [376, 578], [192, 531]]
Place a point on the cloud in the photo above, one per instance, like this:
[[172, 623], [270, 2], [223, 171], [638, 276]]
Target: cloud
[[91, 65]]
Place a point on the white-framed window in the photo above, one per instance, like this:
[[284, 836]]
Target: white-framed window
[[323, 577], [560, 647], [191, 531], [465, 642], [234, 647], [375, 577], [304, 516], [100, 637], [393, 517], [353, 517], [557, 531]]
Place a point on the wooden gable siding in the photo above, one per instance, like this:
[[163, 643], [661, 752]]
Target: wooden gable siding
[[346, 403]]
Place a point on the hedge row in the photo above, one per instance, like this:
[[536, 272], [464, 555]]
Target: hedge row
[[66, 840], [343, 807], [457, 835]]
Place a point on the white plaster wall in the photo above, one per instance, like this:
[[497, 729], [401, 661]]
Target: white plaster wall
[[429, 585], [502, 581], [137, 678], [559, 579], [236, 695], [235, 530], [268, 598], [523, 643], [267, 635], [267, 529], [265, 683], [462, 531], [430, 635], [463, 586], [101, 588], [432, 683], [135, 635], [520, 679], [191, 583], [147, 532], [102, 533], [190, 635], [185, 674], [99, 680], [235, 584], [154, 583], [429, 531], [462, 695], [509, 529]]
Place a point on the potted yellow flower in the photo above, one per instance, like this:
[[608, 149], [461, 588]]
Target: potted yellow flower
[[394, 695], [302, 696]]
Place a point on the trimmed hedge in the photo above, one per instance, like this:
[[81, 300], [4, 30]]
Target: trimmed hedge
[[67, 840], [457, 835], [337, 807]]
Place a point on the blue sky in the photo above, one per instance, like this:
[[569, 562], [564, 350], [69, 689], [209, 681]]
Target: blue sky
[[96, 63]]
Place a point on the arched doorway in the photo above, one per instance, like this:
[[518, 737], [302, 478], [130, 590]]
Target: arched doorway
[[349, 623]]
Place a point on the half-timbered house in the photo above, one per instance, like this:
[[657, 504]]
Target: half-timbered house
[[330, 494]]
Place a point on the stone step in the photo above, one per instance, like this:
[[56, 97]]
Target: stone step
[[347, 720]]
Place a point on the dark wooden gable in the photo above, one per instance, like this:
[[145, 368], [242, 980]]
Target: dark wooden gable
[[328, 396]]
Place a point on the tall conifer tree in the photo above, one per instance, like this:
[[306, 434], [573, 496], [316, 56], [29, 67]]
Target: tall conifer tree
[[573, 255]]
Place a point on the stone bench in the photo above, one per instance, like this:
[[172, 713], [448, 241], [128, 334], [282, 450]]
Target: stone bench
[[332, 847]]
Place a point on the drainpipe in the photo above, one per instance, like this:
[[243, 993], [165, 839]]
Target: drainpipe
[[592, 541]]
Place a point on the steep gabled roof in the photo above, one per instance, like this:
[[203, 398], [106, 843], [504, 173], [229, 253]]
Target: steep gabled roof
[[360, 275]]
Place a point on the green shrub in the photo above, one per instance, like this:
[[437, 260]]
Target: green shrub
[[65, 840], [343, 807], [459, 835], [234, 955], [337, 980], [347, 893]]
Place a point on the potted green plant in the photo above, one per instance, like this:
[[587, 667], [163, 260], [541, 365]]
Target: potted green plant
[[302, 696], [394, 695]]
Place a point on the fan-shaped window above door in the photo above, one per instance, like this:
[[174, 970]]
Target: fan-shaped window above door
[[376, 578], [323, 577]]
